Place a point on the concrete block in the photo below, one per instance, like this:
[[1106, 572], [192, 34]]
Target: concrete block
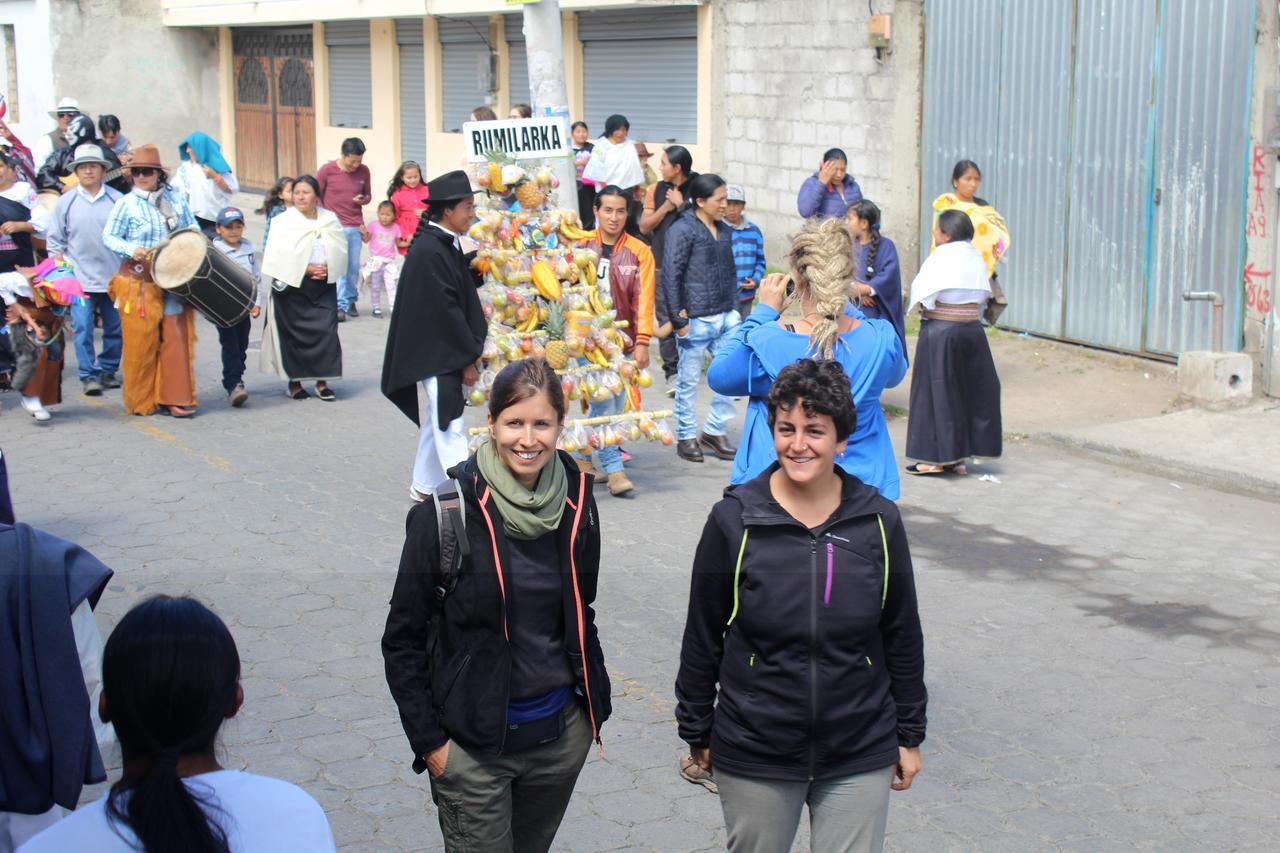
[[1215, 379]]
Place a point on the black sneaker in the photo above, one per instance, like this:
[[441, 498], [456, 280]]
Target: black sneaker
[[352, 311], [92, 387], [342, 316], [109, 380]]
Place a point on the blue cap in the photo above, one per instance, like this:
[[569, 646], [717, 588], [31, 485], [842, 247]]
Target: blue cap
[[228, 215]]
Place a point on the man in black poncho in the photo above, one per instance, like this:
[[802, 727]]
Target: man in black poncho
[[437, 333]]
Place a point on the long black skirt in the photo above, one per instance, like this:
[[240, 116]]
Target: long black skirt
[[955, 395], [306, 327]]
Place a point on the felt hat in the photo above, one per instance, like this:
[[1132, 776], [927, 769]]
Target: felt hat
[[451, 186], [90, 153], [146, 157], [65, 106], [642, 151]]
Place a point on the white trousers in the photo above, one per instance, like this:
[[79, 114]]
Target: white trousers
[[438, 450], [17, 829]]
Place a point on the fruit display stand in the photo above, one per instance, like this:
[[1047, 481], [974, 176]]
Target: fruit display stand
[[542, 299]]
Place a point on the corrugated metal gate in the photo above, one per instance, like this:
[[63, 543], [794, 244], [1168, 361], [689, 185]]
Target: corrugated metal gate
[[1113, 136]]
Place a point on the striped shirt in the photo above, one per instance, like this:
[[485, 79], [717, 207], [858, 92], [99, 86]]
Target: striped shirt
[[136, 223], [748, 255]]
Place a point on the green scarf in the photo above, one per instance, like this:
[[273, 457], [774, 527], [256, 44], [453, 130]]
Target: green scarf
[[525, 514]]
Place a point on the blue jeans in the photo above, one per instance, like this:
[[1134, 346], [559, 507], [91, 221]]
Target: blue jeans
[[610, 457], [706, 334], [348, 284], [108, 363]]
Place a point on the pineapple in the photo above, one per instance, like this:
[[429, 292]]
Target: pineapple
[[557, 349], [530, 195]]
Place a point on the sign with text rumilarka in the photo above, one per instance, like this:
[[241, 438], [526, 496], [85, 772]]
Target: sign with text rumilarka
[[518, 138]]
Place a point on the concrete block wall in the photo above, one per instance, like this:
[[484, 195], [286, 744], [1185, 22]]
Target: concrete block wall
[[796, 77]]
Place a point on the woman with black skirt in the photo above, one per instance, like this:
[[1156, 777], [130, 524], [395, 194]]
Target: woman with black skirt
[[955, 392], [491, 654], [300, 341]]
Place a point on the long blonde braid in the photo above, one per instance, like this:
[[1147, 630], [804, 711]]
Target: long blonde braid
[[822, 263]]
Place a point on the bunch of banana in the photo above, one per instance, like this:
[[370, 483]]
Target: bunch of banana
[[593, 299], [528, 324], [545, 281], [587, 264], [571, 232], [595, 355]]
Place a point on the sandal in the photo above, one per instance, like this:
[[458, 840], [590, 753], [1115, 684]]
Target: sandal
[[691, 772], [298, 393], [920, 469], [178, 411], [326, 394]]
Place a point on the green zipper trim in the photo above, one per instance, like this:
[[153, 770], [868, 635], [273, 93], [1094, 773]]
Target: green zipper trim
[[884, 543], [737, 572]]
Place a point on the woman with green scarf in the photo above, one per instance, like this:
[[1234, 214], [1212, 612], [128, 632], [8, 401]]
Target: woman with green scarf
[[496, 666]]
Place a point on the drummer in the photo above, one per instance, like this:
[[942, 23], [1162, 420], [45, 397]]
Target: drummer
[[158, 328]]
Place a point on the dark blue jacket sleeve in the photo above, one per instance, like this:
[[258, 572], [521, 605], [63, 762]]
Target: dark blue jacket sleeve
[[675, 264], [809, 202]]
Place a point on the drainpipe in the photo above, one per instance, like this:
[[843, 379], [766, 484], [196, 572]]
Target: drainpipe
[[1216, 299]]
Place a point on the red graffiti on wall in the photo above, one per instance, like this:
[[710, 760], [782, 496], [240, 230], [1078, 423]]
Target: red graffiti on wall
[[1258, 207], [1257, 288]]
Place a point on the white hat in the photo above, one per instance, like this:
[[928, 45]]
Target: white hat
[[735, 192], [66, 105], [90, 153]]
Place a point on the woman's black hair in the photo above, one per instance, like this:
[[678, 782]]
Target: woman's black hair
[[397, 180], [678, 155], [579, 124], [612, 189], [273, 196], [869, 213], [483, 113], [107, 123], [702, 188], [821, 387], [613, 123], [524, 110], [523, 379], [170, 673], [835, 154], [353, 145], [956, 224], [310, 181], [963, 166]]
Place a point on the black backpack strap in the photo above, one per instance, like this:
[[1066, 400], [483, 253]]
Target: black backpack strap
[[451, 526]]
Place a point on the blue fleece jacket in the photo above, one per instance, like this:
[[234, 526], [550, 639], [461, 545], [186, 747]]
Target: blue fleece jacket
[[757, 351]]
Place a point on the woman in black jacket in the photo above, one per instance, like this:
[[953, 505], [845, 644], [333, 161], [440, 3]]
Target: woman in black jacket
[[803, 610], [700, 284], [495, 665]]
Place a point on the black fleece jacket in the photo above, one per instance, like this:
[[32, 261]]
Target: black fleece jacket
[[449, 664], [812, 636]]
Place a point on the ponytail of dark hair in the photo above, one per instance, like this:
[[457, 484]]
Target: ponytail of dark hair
[[275, 195], [701, 188], [678, 155], [962, 166], [956, 224], [170, 676], [869, 213]]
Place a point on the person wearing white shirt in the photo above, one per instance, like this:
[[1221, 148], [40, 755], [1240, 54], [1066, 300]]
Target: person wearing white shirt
[[170, 677], [205, 178]]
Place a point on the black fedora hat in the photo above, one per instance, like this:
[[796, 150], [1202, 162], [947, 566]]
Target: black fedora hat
[[451, 186]]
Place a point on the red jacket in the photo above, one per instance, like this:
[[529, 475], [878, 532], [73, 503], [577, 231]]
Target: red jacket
[[631, 283], [410, 203]]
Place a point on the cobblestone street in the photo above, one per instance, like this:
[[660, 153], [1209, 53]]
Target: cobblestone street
[[1103, 647]]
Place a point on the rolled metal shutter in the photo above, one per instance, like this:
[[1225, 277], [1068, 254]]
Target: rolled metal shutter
[[518, 61], [413, 93], [643, 65], [465, 63], [350, 76]]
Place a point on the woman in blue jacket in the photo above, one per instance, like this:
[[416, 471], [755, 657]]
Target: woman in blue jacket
[[828, 192], [868, 349]]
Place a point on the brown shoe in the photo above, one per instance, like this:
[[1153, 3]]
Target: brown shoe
[[586, 467], [620, 484], [718, 445], [689, 450]]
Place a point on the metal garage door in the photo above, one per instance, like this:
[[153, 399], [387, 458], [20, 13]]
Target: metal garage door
[[644, 65], [350, 78], [466, 66], [518, 61], [413, 94]]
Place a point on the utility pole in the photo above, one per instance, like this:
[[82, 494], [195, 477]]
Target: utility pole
[[544, 42]]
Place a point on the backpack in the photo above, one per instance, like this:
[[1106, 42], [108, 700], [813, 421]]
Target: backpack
[[451, 528]]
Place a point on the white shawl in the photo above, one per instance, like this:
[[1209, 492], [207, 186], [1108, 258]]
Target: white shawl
[[289, 249], [956, 268], [616, 164]]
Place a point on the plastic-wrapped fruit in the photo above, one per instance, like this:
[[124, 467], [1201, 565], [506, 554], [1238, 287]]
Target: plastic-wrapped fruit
[[634, 433], [477, 396], [601, 395], [627, 369], [644, 378], [538, 351], [593, 438], [567, 442]]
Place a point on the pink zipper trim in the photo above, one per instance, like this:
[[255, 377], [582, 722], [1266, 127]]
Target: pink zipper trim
[[831, 558], [577, 600], [497, 562]]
